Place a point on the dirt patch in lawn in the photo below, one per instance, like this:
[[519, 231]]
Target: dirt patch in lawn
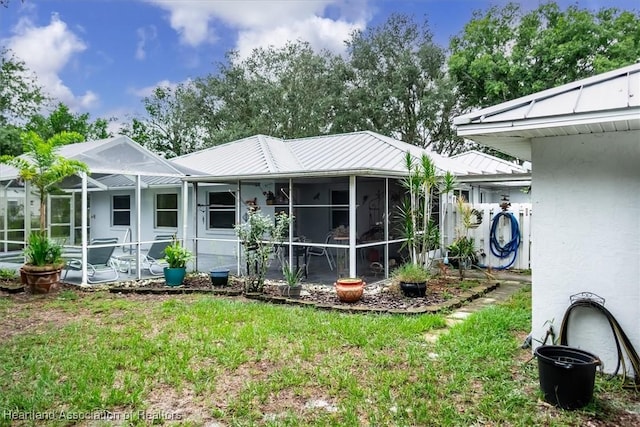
[[27, 312]]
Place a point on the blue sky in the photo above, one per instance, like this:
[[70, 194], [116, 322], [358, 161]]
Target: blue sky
[[103, 56]]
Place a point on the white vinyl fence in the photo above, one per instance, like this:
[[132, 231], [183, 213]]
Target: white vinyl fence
[[516, 219]]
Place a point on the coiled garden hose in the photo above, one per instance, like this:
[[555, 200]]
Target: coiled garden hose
[[511, 247], [621, 340]]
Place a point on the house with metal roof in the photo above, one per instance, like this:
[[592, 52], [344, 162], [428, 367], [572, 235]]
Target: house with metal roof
[[514, 183], [348, 183], [583, 139], [326, 182], [131, 194]]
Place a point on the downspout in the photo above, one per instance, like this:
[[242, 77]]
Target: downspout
[[352, 226], [85, 228]]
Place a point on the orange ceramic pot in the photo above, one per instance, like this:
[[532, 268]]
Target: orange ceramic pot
[[349, 289]]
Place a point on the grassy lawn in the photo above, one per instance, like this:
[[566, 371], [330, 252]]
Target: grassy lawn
[[193, 360]]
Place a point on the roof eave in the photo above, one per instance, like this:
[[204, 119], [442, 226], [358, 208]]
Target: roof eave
[[479, 115], [298, 174], [500, 177], [513, 126]]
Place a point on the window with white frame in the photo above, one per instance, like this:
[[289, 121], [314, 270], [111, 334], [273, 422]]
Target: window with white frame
[[121, 210], [167, 210], [222, 209]]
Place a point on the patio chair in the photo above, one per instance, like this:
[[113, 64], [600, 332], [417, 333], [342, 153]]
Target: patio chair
[[99, 261], [154, 258], [321, 251]]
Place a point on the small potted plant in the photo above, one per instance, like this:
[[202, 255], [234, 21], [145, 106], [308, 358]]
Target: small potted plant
[[412, 278], [292, 277], [176, 257], [43, 263]]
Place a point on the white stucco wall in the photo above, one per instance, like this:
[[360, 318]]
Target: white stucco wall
[[586, 236], [101, 212]]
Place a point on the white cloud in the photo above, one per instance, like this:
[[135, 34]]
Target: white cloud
[[46, 51], [148, 90], [321, 33], [145, 34], [118, 117], [264, 23]]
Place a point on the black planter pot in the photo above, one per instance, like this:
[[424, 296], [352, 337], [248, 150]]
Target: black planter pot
[[413, 289], [567, 375], [290, 291], [219, 277]]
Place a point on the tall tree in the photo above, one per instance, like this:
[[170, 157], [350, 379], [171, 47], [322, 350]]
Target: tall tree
[[20, 94], [43, 167], [505, 53], [137, 130], [20, 98], [398, 85], [284, 92], [61, 119], [172, 126]]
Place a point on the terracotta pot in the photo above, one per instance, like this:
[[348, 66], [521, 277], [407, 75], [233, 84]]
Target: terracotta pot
[[40, 279], [349, 289]]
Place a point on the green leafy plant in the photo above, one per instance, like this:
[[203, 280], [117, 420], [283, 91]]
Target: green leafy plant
[[462, 252], [43, 167], [463, 249], [7, 273], [177, 255], [258, 236], [291, 276], [411, 273], [417, 226], [41, 250]]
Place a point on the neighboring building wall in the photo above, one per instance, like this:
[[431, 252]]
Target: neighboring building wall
[[587, 236]]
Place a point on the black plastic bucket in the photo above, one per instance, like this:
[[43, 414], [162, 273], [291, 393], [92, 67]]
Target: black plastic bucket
[[219, 277], [567, 375]]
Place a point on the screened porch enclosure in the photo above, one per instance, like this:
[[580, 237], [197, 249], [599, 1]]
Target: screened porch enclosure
[[321, 239], [73, 216]]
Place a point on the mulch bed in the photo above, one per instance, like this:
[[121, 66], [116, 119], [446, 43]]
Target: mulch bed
[[442, 293]]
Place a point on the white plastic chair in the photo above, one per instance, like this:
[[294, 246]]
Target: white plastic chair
[[322, 251]]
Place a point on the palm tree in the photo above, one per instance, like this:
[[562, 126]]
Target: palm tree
[[42, 167]]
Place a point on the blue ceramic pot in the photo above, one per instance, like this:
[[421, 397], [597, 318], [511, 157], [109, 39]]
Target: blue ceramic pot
[[174, 276]]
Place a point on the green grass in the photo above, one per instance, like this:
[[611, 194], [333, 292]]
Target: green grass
[[239, 363]]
